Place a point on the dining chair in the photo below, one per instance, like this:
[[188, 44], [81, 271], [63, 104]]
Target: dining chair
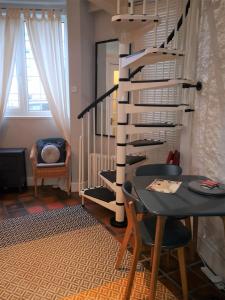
[[159, 170], [163, 170], [142, 232]]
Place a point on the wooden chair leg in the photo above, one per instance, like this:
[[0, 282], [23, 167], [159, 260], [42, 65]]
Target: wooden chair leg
[[68, 185], [156, 257], [42, 181], [123, 247], [188, 223], [131, 275], [183, 273], [35, 186]]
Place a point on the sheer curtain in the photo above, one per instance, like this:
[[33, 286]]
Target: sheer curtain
[[10, 24], [46, 38]]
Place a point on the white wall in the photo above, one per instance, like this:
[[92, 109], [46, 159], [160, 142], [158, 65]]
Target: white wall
[[208, 143], [103, 29], [81, 70]]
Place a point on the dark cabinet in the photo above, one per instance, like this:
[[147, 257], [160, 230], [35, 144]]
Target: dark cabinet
[[12, 168]]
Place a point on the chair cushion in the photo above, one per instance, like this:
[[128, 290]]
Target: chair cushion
[[51, 150], [175, 233], [50, 154]]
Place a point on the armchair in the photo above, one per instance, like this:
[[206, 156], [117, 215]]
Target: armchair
[[53, 170]]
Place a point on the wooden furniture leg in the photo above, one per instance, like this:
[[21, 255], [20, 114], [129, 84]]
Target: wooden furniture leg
[[156, 257], [183, 272], [223, 219], [68, 184], [136, 253], [35, 186], [123, 246]]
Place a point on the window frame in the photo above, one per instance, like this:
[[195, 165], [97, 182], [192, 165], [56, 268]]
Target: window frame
[[22, 79]]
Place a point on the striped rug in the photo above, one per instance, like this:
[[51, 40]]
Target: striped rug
[[64, 254]]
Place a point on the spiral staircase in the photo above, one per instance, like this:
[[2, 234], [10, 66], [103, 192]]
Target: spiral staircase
[[132, 20]]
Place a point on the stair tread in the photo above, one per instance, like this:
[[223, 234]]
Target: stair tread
[[145, 142], [150, 56], [152, 80], [101, 193], [155, 51], [110, 175], [160, 104], [157, 124], [133, 159]]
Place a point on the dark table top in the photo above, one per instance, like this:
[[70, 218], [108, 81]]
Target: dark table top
[[183, 202]]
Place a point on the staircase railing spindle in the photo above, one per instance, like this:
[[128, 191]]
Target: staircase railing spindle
[[80, 159], [108, 131], [131, 3], [156, 25], [88, 149], [118, 7], [144, 7], [94, 150], [101, 139], [167, 23], [175, 30]]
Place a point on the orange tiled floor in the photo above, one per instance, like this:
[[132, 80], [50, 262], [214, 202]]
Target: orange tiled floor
[[14, 204]]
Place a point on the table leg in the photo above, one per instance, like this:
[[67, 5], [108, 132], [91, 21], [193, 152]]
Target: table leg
[[195, 236], [223, 218], [156, 256]]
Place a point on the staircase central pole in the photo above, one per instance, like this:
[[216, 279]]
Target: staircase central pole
[[119, 220]]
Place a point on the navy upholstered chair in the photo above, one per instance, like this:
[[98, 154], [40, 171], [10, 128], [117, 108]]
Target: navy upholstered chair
[[142, 232], [159, 169]]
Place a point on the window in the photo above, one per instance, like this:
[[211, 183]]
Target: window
[[27, 96]]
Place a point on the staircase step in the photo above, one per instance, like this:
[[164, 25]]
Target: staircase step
[[133, 159], [140, 128], [129, 27], [153, 107], [109, 175], [101, 193], [152, 84], [150, 56], [145, 142], [156, 124]]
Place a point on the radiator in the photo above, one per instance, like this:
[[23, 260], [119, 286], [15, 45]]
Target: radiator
[[100, 162]]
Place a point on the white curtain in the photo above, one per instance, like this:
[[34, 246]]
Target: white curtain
[[46, 38], [10, 24]]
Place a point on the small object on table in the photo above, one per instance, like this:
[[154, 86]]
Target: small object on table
[[207, 187], [164, 186]]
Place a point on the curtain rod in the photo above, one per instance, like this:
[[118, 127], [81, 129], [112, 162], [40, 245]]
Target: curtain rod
[[34, 8], [30, 6]]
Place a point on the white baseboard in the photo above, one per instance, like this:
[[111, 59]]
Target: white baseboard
[[74, 185]]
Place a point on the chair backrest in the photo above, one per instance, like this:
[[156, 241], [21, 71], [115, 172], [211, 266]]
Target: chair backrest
[[158, 170], [129, 202]]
